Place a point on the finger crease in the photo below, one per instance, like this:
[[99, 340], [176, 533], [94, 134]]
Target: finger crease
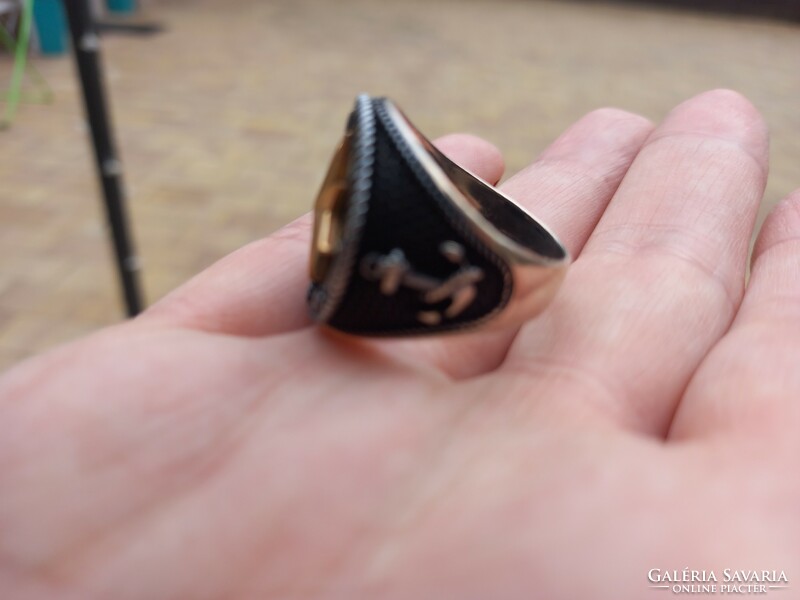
[[637, 251], [608, 399], [757, 161]]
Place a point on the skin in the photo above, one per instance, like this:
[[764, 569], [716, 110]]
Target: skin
[[219, 446]]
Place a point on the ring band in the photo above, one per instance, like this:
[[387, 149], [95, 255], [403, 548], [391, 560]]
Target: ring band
[[406, 242]]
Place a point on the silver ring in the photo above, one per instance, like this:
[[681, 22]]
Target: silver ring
[[406, 242]]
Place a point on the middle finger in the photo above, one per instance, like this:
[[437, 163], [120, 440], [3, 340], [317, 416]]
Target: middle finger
[[662, 275]]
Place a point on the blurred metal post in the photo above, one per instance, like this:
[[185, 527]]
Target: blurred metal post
[[86, 49]]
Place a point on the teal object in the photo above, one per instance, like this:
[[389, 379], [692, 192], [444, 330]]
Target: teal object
[[51, 26], [121, 6]]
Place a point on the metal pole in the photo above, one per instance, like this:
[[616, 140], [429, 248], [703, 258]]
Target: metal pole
[[86, 49]]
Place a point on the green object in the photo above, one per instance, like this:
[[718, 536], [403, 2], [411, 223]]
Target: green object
[[19, 48], [121, 6], [51, 26]]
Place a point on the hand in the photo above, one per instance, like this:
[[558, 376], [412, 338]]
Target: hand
[[221, 447]]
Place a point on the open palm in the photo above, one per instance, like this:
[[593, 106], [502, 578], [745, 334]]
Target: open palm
[[221, 447]]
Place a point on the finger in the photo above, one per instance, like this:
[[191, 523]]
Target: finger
[[662, 275], [568, 188], [750, 382], [260, 289]]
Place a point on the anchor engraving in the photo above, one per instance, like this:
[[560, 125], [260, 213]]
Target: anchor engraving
[[393, 270]]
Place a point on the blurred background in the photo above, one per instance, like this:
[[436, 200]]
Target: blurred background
[[226, 114]]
